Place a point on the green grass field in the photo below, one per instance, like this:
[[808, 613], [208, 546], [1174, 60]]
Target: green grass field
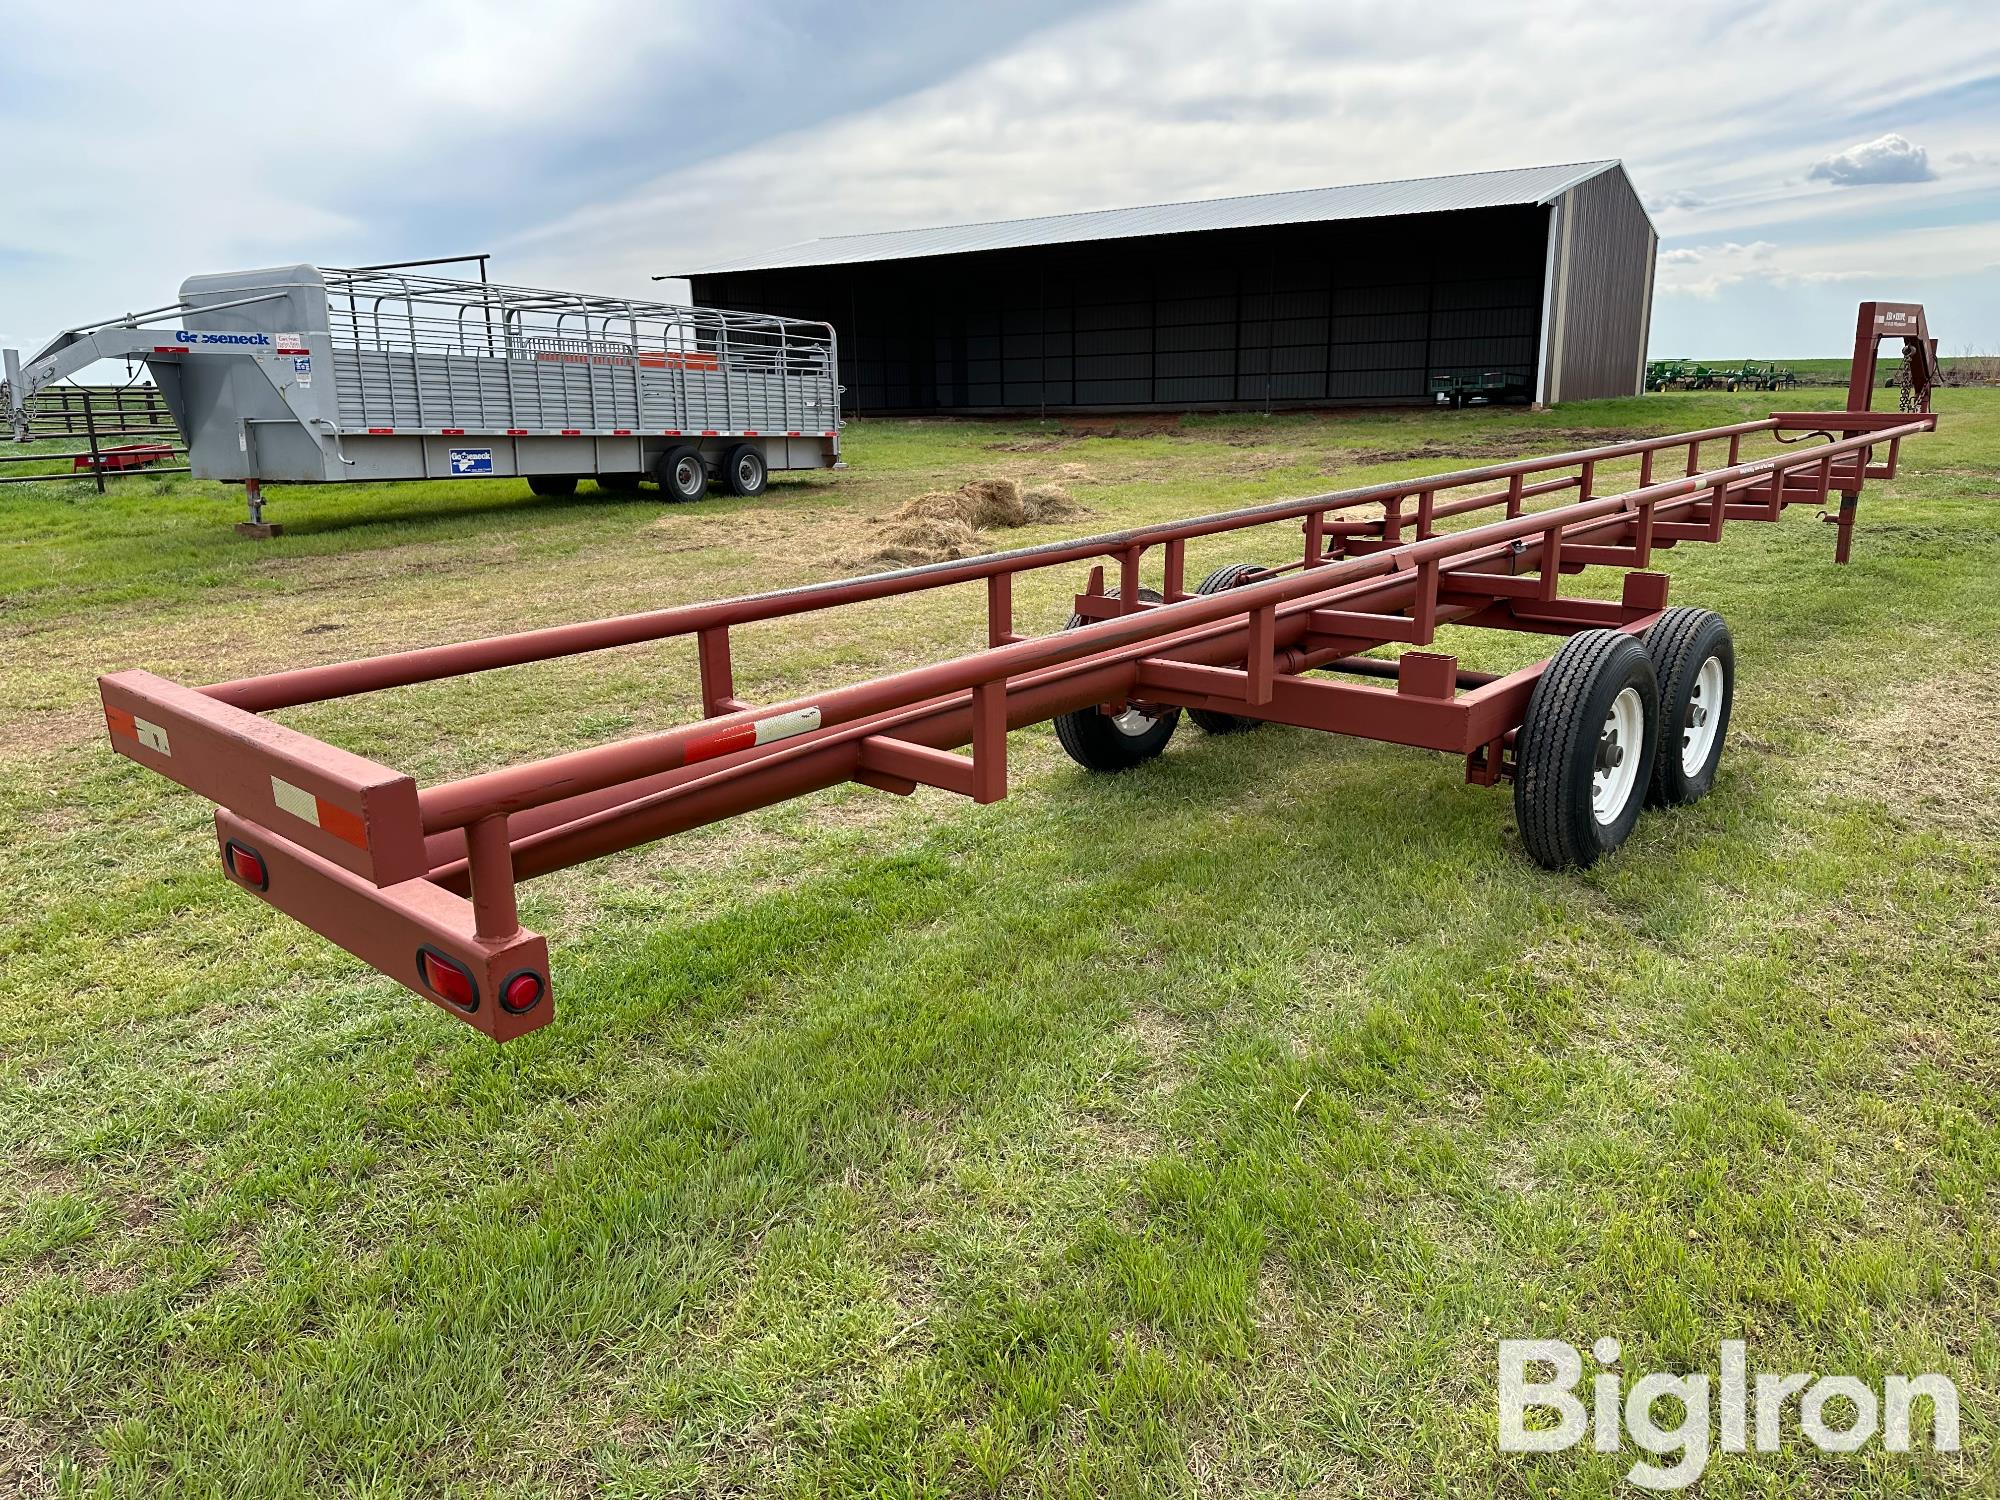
[[1975, 368], [1198, 1131]]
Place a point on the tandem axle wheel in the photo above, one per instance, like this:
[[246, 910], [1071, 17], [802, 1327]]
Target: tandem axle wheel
[[1616, 724]]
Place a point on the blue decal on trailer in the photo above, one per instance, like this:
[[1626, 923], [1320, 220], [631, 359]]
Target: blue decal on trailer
[[472, 460]]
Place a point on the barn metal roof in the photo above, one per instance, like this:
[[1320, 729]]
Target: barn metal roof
[[1365, 200]]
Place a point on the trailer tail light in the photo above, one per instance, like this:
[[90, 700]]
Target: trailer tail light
[[246, 865], [448, 979], [522, 992]]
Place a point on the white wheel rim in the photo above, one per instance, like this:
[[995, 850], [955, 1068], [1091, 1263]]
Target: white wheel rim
[[1703, 717], [1619, 743], [1133, 722], [684, 473], [746, 472]]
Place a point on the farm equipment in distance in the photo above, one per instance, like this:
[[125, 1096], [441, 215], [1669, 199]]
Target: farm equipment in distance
[[1490, 388], [311, 375], [1632, 710], [1752, 376], [1685, 375]]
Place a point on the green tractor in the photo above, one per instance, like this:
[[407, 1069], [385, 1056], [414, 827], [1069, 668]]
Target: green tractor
[[1765, 377], [1665, 374]]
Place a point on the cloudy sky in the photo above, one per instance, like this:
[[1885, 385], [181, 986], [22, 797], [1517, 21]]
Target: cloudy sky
[[1796, 156]]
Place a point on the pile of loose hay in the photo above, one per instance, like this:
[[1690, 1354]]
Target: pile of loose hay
[[902, 544], [948, 524]]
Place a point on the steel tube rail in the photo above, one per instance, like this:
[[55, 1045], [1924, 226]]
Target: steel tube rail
[[521, 648], [454, 804]]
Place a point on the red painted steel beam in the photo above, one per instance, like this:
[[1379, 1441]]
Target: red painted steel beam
[[351, 811], [516, 788], [430, 664], [401, 929]]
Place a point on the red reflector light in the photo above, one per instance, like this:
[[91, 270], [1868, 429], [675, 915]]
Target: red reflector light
[[246, 864], [522, 992], [448, 979]]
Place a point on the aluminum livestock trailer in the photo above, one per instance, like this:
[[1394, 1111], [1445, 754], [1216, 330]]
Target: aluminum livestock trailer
[[308, 375], [1633, 709]]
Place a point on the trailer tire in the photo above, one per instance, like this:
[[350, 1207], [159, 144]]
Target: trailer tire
[[745, 471], [552, 486], [1695, 660], [619, 484], [1220, 581], [682, 475], [1098, 741], [1583, 759]]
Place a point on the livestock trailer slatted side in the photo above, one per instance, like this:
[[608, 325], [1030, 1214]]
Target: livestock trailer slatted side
[[423, 352], [420, 881]]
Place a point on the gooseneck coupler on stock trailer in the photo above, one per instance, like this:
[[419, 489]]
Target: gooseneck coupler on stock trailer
[[311, 375], [420, 881]]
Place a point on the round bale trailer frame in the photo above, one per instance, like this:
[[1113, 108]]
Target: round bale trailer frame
[[1633, 709]]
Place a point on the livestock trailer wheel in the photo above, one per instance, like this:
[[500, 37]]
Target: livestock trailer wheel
[[745, 471], [1220, 581], [1099, 741], [552, 486], [619, 484], [1695, 661], [682, 474], [1584, 756]]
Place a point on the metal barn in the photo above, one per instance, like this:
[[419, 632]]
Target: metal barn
[[1374, 293]]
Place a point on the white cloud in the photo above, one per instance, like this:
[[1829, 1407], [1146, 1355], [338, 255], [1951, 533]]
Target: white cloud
[[1170, 99], [1887, 158], [316, 143], [1681, 199], [1883, 261], [1704, 270]]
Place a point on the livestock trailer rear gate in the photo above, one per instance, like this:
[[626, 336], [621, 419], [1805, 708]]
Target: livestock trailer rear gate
[[1634, 708], [308, 375]]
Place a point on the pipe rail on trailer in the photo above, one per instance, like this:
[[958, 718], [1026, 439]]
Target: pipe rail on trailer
[[420, 881]]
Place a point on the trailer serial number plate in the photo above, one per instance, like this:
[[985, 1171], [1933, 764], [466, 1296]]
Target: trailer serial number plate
[[472, 460]]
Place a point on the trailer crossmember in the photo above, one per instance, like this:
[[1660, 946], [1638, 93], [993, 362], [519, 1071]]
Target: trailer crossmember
[[420, 881]]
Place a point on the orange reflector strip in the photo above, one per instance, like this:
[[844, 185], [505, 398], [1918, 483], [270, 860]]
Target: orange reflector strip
[[740, 738], [342, 824], [763, 732]]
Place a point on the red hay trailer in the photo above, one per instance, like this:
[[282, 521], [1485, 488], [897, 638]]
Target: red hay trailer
[[1634, 708]]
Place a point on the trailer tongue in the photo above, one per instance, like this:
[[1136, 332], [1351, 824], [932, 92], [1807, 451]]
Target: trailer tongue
[[1633, 709]]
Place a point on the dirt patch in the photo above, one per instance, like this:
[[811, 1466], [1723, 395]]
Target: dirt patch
[[947, 524], [1932, 757], [28, 1454], [32, 733], [1497, 445]]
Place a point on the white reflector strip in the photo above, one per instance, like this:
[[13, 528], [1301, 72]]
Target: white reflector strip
[[784, 726], [295, 800], [151, 735]]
